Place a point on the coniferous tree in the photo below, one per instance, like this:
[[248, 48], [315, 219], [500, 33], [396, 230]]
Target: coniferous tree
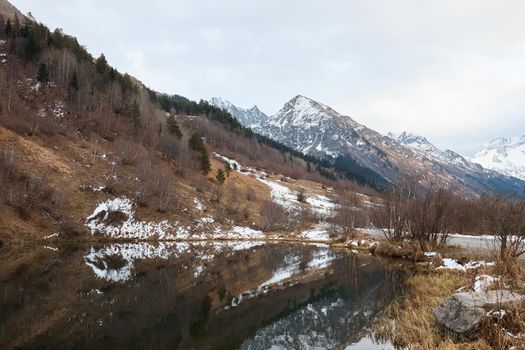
[[173, 127], [8, 28], [2, 26], [31, 48], [43, 75], [197, 144], [228, 169], [205, 162], [135, 116], [101, 65], [220, 176], [73, 84]]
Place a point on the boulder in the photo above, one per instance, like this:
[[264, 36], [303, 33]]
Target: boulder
[[462, 312]]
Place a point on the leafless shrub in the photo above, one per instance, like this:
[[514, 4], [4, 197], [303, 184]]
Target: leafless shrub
[[68, 227], [7, 165], [61, 197], [506, 219], [305, 217], [250, 194], [430, 216], [274, 216], [201, 183], [217, 193], [141, 187], [348, 212], [111, 179], [301, 195], [392, 214], [127, 151], [162, 187]]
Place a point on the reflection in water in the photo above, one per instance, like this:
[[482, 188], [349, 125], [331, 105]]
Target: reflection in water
[[204, 295]]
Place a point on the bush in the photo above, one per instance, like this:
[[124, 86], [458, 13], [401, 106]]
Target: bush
[[274, 216]]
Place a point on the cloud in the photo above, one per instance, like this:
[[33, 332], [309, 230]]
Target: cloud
[[450, 70]]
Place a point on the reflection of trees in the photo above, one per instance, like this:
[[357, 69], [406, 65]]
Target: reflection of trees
[[54, 300]]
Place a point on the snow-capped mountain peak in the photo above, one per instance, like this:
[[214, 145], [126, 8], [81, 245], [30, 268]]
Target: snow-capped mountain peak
[[413, 141], [304, 112], [251, 117], [505, 155]]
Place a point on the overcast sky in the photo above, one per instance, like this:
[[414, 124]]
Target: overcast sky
[[453, 71]]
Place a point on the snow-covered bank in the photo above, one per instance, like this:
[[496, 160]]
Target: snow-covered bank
[[115, 219]]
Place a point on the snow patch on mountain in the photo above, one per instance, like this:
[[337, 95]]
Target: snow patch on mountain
[[504, 155], [251, 117], [423, 146]]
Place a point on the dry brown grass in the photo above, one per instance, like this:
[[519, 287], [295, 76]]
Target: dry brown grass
[[410, 322]]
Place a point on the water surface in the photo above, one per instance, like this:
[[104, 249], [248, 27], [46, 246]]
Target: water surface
[[221, 295]]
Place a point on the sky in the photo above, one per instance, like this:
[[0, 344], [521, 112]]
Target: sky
[[450, 70]]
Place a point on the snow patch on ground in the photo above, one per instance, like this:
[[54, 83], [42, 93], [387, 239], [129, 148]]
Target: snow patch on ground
[[115, 218], [319, 233], [452, 264], [199, 205], [282, 194], [483, 282]]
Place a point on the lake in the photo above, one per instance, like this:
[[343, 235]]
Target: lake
[[201, 295]]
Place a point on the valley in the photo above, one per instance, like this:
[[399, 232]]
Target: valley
[[132, 218]]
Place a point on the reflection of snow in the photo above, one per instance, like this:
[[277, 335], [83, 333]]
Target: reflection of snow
[[115, 262], [322, 258]]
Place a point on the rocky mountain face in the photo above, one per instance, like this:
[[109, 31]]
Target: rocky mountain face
[[318, 130], [504, 155], [251, 118], [8, 11]]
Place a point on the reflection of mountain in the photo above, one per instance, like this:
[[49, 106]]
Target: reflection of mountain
[[331, 320], [53, 300]]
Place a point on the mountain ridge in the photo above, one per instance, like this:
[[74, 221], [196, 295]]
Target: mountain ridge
[[316, 129], [504, 155]]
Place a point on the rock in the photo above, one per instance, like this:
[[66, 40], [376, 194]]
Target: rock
[[462, 312]]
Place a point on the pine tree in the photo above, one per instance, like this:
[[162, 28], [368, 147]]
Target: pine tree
[[135, 117], [101, 65], [42, 75], [205, 162], [197, 144], [220, 176], [8, 28], [16, 26], [73, 84], [228, 169], [308, 167], [173, 127], [31, 48], [2, 26]]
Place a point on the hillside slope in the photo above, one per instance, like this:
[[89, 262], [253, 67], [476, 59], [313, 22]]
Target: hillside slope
[[89, 153]]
